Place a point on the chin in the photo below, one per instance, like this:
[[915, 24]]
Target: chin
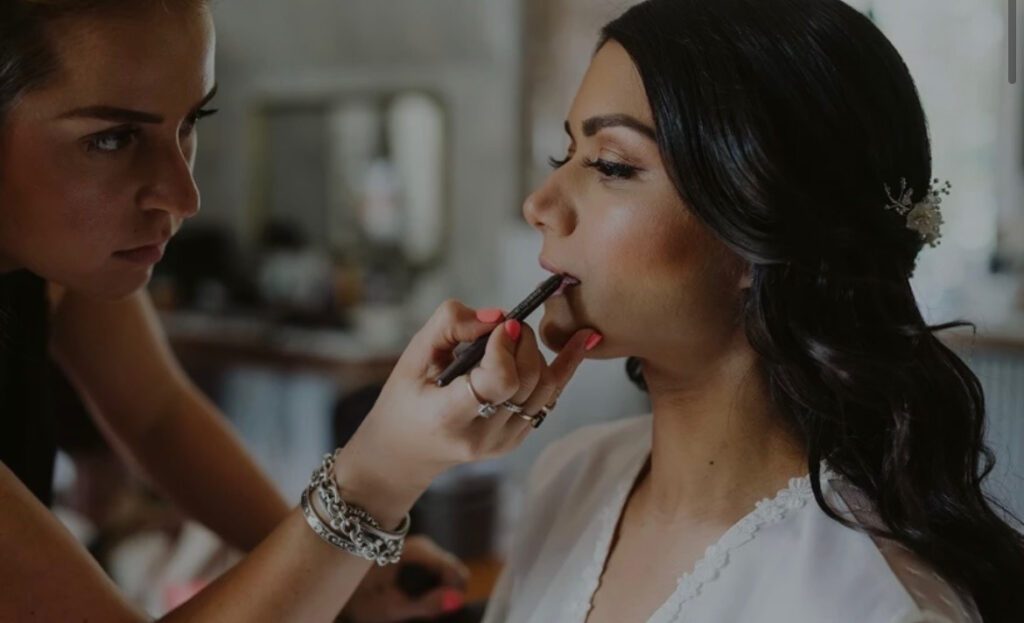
[[111, 285], [555, 332]]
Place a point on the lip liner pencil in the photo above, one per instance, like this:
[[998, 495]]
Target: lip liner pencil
[[471, 355]]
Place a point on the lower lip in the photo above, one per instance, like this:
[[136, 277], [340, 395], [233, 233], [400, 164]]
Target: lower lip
[[146, 256]]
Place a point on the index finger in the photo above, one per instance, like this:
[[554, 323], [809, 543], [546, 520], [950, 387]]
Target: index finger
[[568, 359], [453, 323]]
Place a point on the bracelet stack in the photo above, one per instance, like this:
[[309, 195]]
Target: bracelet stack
[[347, 526]]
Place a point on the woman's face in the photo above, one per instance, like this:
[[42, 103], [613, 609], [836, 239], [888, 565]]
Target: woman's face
[[654, 281], [96, 166]]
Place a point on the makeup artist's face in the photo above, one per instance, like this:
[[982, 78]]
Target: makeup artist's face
[[654, 281], [96, 166]]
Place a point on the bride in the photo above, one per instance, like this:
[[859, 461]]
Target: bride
[[745, 192]]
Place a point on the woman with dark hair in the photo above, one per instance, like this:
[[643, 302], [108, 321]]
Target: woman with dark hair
[[99, 102], [746, 189]]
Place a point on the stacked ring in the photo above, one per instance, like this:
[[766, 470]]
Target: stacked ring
[[486, 409], [512, 407], [537, 419]]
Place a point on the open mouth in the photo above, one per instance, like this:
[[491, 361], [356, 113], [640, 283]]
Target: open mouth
[[568, 281]]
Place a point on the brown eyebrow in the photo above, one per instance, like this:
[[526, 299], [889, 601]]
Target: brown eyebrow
[[595, 124], [124, 115]]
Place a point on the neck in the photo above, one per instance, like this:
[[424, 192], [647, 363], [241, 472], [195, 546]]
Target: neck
[[718, 444]]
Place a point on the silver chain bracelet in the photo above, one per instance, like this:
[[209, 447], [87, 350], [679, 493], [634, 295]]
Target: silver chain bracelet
[[347, 526]]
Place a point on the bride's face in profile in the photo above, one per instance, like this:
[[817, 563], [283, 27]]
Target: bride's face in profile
[[655, 282]]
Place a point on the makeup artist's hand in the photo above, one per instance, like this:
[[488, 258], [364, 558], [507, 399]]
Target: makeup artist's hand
[[417, 430]]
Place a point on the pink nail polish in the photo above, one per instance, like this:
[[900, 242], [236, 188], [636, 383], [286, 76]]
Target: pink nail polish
[[490, 316], [452, 601], [593, 341], [514, 329]]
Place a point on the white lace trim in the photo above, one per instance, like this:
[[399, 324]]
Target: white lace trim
[[766, 512]]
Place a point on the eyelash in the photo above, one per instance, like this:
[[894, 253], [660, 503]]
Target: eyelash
[[611, 169], [558, 164], [202, 113], [604, 167], [123, 136]]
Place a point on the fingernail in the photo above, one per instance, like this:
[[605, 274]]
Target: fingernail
[[490, 316], [514, 329], [593, 341], [452, 601]]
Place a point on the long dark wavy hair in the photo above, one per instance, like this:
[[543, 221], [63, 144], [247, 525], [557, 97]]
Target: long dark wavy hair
[[781, 124]]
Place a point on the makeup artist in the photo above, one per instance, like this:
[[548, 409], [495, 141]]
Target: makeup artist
[[99, 102]]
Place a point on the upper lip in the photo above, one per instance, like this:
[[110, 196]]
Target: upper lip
[[551, 268]]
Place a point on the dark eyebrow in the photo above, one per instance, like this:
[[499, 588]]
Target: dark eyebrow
[[595, 124], [124, 115]]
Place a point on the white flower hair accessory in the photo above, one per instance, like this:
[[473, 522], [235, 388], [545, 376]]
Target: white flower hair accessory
[[924, 217]]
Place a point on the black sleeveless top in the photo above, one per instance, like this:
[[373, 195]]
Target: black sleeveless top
[[28, 442]]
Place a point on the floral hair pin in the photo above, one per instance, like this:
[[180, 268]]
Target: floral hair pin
[[924, 217]]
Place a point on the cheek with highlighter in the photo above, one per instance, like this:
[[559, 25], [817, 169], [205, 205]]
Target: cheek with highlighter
[[608, 246], [651, 276]]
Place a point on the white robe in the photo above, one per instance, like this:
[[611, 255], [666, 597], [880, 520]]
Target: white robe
[[785, 562]]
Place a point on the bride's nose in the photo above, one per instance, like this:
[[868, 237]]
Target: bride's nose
[[549, 210]]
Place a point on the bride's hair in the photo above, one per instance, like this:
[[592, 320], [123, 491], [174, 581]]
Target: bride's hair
[[781, 124]]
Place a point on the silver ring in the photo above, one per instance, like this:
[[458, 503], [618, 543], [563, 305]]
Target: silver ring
[[535, 420], [532, 419], [486, 409], [512, 407]]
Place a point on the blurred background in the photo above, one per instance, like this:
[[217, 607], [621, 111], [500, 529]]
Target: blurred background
[[370, 159]]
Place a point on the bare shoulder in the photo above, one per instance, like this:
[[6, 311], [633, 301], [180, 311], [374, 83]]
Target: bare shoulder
[[38, 557]]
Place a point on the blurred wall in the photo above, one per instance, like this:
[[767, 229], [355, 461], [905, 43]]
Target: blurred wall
[[467, 50]]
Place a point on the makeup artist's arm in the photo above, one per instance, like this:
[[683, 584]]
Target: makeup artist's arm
[[118, 359], [45, 575], [415, 432]]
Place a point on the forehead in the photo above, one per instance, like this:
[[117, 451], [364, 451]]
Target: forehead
[[612, 85], [137, 58]]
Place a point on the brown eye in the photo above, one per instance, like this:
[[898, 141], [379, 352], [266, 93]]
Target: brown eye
[[111, 141], [612, 169]]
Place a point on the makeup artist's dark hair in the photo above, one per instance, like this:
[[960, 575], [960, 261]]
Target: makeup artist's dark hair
[[781, 123], [27, 57]]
